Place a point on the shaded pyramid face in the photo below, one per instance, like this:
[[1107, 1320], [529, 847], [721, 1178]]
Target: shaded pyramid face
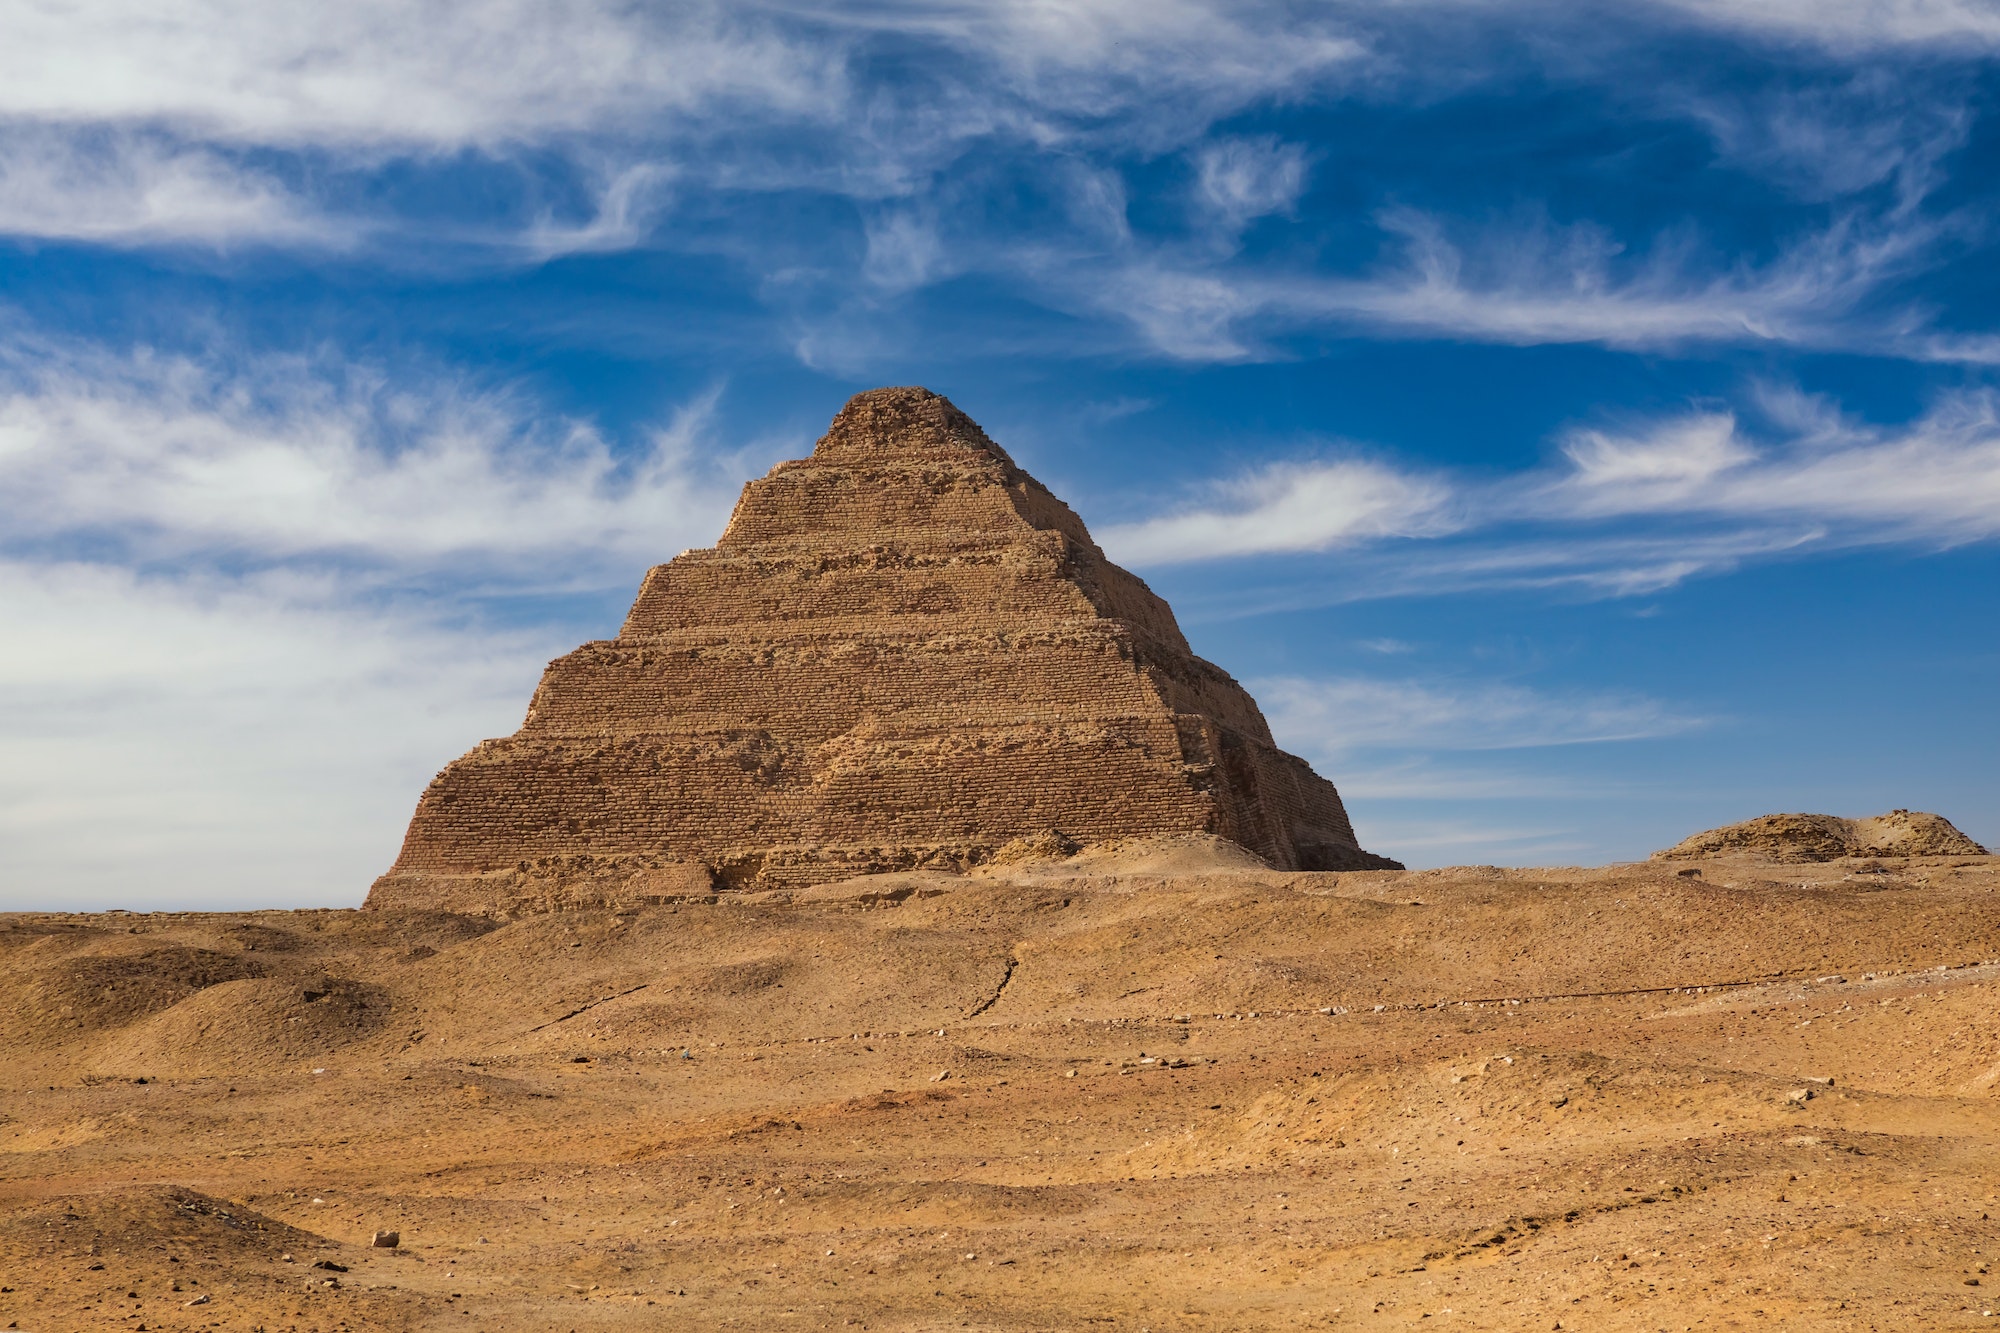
[[904, 651]]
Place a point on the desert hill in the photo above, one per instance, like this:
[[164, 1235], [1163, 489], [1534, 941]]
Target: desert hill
[[1156, 1084], [1805, 838]]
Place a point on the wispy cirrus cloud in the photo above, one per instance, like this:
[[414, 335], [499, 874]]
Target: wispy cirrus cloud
[[252, 607], [1290, 506], [1850, 25], [1823, 141], [1544, 284], [1620, 512], [165, 457], [214, 741], [1432, 765], [130, 188], [585, 128], [1239, 179], [752, 96], [1933, 482], [378, 75], [1328, 716], [1532, 283]]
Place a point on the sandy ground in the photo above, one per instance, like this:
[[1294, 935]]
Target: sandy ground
[[1138, 1096]]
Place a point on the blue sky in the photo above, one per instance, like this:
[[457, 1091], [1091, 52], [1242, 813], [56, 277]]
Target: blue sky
[[1578, 425]]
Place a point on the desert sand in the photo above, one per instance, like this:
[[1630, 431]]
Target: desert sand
[[1153, 1087]]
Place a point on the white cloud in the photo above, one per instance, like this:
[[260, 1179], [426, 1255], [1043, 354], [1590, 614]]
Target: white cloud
[[1626, 512], [184, 88], [1289, 506], [224, 122], [1591, 563], [1674, 463], [1934, 481], [1240, 179], [379, 73], [1856, 24], [283, 623], [904, 248], [1524, 282], [1170, 65], [627, 207], [1543, 284], [124, 188], [167, 457], [452, 74], [1413, 758], [1438, 839], [1439, 770], [1330, 717], [223, 743], [1187, 313], [1824, 141]]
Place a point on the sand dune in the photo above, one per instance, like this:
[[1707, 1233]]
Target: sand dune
[[1153, 1086]]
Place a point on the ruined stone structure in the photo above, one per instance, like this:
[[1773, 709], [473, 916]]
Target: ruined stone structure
[[903, 652], [1803, 839]]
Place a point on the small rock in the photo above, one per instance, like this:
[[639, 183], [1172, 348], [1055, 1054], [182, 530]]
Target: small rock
[[329, 1265], [387, 1240], [1799, 1095], [941, 1076], [199, 1300], [1689, 873]]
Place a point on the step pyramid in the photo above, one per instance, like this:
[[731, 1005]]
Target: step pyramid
[[903, 652]]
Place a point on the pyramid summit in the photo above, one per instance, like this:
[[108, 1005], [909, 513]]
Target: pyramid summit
[[903, 652]]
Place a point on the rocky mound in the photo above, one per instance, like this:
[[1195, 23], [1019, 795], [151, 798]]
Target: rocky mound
[[245, 1026], [1802, 838], [903, 653], [111, 986]]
